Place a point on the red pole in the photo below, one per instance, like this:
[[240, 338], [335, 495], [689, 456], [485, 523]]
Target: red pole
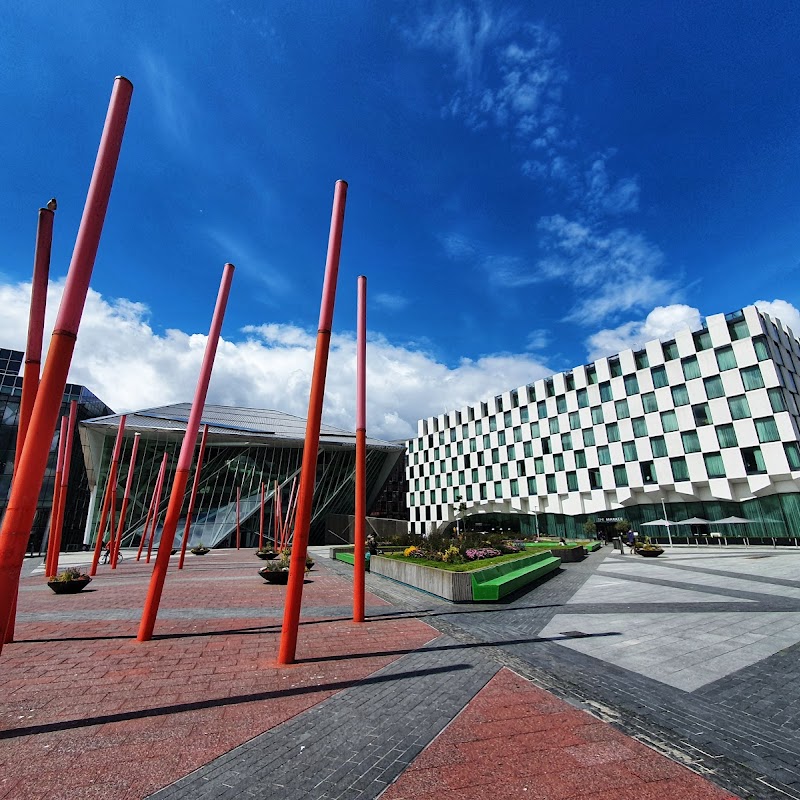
[[55, 533], [195, 484], [33, 348], [156, 503], [125, 499], [109, 500], [277, 504], [21, 508], [62, 443], [289, 512], [361, 452], [261, 520], [238, 515], [150, 510], [150, 611], [305, 494]]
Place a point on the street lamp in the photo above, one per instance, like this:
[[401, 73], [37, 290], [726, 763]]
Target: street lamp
[[457, 499]]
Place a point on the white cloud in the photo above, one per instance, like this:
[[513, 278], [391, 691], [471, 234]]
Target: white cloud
[[661, 323], [782, 310], [391, 302], [130, 366]]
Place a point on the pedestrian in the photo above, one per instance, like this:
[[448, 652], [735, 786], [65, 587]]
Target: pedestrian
[[632, 541]]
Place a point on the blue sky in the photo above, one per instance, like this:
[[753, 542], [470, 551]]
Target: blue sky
[[531, 185]]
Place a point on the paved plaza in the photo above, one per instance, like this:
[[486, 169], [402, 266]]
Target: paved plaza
[[616, 677]]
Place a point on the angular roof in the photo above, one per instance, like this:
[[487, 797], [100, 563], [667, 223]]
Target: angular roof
[[229, 422]]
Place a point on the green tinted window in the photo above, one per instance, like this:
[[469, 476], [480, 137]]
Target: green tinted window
[[669, 421], [680, 395], [639, 427], [714, 387], [659, 377], [658, 446], [580, 459], [680, 471], [767, 430], [621, 407], [629, 451], [740, 408], [726, 436], [588, 437], [725, 358], [691, 442], [620, 475], [603, 455], [649, 402], [752, 378], [715, 466], [612, 432]]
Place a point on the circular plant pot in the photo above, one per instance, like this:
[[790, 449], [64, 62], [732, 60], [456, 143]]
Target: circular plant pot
[[199, 551], [273, 576], [69, 587], [650, 553], [266, 554]]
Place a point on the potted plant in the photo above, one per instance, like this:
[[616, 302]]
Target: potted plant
[[648, 549], [266, 553], [199, 550], [276, 570], [69, 581]]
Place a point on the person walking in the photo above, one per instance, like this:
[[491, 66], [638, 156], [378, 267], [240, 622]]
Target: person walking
[[632, 541]]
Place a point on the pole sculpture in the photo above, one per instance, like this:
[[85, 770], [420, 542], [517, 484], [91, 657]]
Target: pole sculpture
[[62, 443], [195, 484], [21, 508], [238, 515], [305, 494], [261, 521], [110, 499], [361, 452], [277, 508], [33, 348], [55, 533], [150, 610], [152, 507], [117, 540], [162, 476]]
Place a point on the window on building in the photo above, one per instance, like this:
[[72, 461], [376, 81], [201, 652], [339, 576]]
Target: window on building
[[714, 387], [680, 472], [550, 481], [504, 471], [594, 479], [478, 427], [531, 393], [641, 359], [621, 407], [524, 414], [574, 421], [514, 487], [535, 430], [761, 348], [510, 452], [554, 425], [541, 409], [580, 459], [498, 403], [483, 491], [538, 466], [597, 415], [726, 359], [507, 421], [767, 430], [702, 341], [659, 446], [583, 398], [612, 432], [620, 475], [605, 392], [702, 414], [631, 385], [561, 404], [649, 403], [517, 434], [738, 329], [752, 378], [572, 481], [501, 438], [753, 460], [670, 350], [514, 398], [680, 395], [776, 399], [484, 409], [527, 448], [591, 374], [473, 446], [614, 367], [531, 485], [629, 451], [639, 427], [669, 421], [465, 431], [460, 448], [588, 437], [691, 442], [492, 424], [558, 462], [740, 408], [549, 391], [469, 493], [498, 491], [487, 441], [474, 476], [726, 436], [603, 455], [648, 472], [792, 455], [452, 434], [715, 466], [489, 473], [546, 446], [495, 455], [659, 377], [569, 381], [691, 369], [520, 469], [566, 441]]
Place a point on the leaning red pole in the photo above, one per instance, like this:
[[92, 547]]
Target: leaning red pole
[[152, 509], [150, 611], [195, 484], [49, 569], [162, 476], [261, 520], [21, 508], [238, 516], [305, 494], [110, 498], [117, 540], [361, 452], [55, 534], [33, 348]]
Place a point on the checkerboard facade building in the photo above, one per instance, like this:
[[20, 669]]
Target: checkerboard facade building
[[708, 421]]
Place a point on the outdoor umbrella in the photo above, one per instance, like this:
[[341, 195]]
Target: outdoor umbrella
[[732, 521], [693, 521], [666, 522]]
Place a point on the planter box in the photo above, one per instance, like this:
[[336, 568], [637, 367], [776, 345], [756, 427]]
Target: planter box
[[69, 587], [454, 586], [274, 577], [569, 554]]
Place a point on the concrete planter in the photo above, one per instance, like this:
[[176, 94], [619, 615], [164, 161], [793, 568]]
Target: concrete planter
[[455, 586]]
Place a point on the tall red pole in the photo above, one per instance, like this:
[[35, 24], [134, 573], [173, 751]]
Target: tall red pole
[[55, 534], [110, 498], [261, 520], [21, 508], [195, 484], [361, 452], [289, 512], [117, 540], [238, 516], [150, 611], [33, 348], [152, 509], [277, 507], [162, 476], [62, 443], [305, 494]]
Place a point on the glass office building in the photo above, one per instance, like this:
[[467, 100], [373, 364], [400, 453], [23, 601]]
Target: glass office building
[[704, 425], [245, 449]]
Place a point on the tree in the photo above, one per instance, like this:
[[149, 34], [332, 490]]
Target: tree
[[622, 527], [589, 528]]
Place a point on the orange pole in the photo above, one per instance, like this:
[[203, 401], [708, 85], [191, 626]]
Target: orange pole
[[276, 515], [109, 500], [125, 500], [150, 510], [55, 534], [238, 515], [62, 443], [195, 484], [305, 494], [361, 452], [159, 488], [33, 348], [289, 514], [261, 520], [150, 611]]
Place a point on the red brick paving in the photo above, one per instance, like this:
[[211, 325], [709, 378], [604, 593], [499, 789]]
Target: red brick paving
[[517, 741]]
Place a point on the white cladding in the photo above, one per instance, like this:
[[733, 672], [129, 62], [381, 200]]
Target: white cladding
[[710, 415]]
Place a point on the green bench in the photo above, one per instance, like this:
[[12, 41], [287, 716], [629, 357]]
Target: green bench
[[492, 583], [349, 558]]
